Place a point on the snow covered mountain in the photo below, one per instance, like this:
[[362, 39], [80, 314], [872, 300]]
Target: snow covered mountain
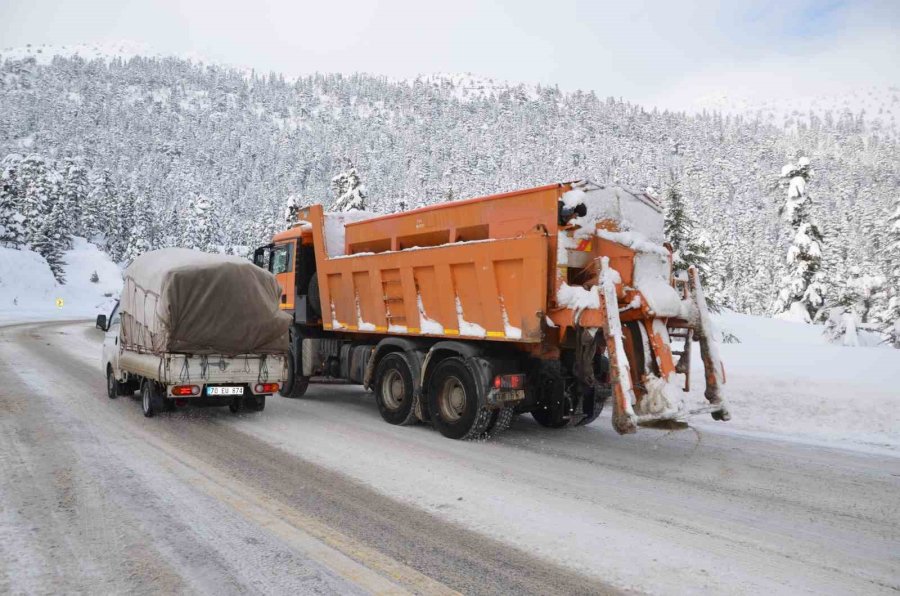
[[122, 49], [880, 106], [468, 87], [143, 141]]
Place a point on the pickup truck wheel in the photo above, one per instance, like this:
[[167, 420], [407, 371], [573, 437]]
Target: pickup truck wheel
[[112, 385], [394, 392], [150, 399], [454, 403], [295, 386], [255, 403], [236, 404]]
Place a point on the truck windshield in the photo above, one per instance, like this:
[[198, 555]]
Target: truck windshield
[[281, 259]]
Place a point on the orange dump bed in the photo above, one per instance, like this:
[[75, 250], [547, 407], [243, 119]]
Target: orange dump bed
[[477, 269]]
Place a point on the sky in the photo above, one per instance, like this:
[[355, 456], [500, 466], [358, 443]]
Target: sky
[[657, 53]]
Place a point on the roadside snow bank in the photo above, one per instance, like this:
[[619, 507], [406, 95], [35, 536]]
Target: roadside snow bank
[[28, 290], [786, 379]]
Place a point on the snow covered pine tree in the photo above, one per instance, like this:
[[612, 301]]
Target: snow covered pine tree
[[891, 317], [350, 191], [291, 208], [12, 222], [140, 238], [854, 307], [50, 236], [680, 231], [200, 232], [802, 291], [99, 209]]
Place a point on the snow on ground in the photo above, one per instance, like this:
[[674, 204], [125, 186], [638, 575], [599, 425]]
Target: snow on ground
[[28, 291], [656, 512], [786, 379]]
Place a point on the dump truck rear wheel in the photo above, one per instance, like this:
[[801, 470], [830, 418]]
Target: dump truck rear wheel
[[453, 401], [500, 421], [296, 385], [394, 391], [549, 418], [600, 397]]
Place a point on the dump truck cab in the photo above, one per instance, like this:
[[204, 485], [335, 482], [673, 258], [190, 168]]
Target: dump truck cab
[[527, 294]]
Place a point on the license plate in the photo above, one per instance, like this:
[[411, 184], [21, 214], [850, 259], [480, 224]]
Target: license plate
[[224, 391]]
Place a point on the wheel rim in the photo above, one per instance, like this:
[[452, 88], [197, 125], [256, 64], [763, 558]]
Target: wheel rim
[[145, 399], [452, 399], [393, 391]]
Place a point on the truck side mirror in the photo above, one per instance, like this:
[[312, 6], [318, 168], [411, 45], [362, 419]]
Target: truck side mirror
[[101, 322]]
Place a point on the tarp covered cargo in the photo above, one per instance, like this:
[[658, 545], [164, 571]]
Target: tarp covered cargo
[[180, 300]]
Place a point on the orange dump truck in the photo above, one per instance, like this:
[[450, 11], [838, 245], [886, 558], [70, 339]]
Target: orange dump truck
[[549, 300]]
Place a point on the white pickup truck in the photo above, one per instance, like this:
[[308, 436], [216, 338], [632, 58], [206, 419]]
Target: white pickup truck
[[169, 381], [195, 328]]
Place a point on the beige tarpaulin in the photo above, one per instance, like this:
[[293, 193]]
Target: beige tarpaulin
[[180, 300]]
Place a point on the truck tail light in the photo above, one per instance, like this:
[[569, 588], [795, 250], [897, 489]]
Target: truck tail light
[[265, 388], [509, 382], [185, 390]]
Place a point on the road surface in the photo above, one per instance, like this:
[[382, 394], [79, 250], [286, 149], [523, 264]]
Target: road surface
[[319, 495]]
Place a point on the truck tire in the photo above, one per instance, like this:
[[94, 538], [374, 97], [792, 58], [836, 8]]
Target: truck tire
[[115, 388], [500, 421], [394, 391], [549, 418], [457, 410], [112, 385], [151, 401], [255, 403], [295, 386]]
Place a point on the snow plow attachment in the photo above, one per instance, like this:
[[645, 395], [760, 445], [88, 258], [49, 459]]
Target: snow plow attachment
[[627, 292], [647, 345]]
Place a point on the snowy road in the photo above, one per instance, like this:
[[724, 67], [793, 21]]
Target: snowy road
[[319, 495]]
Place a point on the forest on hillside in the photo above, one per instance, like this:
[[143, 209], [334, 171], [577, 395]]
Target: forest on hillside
[[151, 152]]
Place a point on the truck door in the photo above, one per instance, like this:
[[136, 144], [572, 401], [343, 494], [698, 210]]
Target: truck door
[[111, 345], [281, 264]]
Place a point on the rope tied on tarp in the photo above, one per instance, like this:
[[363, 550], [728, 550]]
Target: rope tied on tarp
[[263, 374], [185, 374]]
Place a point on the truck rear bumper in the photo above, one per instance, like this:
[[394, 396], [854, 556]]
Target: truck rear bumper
[[181, 369]]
